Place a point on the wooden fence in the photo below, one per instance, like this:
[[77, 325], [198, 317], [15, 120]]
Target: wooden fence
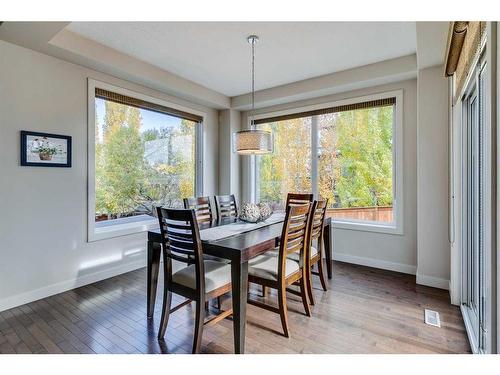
[[381, 214]]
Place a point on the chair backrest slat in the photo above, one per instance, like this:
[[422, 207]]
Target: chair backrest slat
[[318, 219], [202, 208], [226, 206], [298, 198], [294, 237]]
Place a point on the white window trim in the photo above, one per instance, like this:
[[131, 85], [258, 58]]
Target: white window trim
[[397, 227], [139, 226]]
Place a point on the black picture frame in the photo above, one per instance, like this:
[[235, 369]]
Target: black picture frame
[[46, 161]]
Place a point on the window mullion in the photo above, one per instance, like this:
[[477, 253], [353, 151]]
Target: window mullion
[[314, 155], [198, 176]]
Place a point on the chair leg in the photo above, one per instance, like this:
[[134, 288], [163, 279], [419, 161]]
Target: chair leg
[[309, 285], [219, 303], [206, 305], [283, 309], [321, 272], [198, 326], [264, 290], [303, 295], [165, 313]]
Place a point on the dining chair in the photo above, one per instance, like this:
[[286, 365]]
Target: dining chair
[[316, 230], [200, 281], [280, 271], [204, 215], [291, 198], [226, 206], [202, 208]]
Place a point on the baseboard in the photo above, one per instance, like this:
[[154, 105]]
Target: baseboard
[[47, 291], [376, 263], [432, 281]]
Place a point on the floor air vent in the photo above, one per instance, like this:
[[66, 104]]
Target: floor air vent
[[432, 318]]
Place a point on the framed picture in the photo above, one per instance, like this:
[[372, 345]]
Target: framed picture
[[45, 150]]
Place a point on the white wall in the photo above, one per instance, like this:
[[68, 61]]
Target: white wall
[[433, 247], [388, 251], [43, 226], [229, 162]]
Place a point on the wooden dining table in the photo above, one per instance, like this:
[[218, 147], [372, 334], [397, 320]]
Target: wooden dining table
[[239, 249]]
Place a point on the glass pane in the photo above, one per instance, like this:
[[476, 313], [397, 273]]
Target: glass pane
[[142, 159], [355, 163], [288, 169]]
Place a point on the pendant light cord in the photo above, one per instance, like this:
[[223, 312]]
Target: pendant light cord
[[253, 76], [253, 84]]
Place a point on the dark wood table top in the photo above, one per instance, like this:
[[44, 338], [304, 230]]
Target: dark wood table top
[[239, 247]]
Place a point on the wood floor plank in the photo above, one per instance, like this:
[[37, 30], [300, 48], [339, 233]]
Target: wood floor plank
[[365, 310]]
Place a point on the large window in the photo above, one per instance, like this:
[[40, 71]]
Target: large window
[[145, 155], [289, 167], [345, 152]]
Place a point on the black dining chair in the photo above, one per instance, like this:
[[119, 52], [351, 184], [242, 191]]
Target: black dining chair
[[226, 206], [202, 208], [200, 281]]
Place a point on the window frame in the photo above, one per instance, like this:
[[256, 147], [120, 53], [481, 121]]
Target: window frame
[[397, 161], [137, 226]]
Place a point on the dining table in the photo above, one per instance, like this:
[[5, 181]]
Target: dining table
[[238, 242]]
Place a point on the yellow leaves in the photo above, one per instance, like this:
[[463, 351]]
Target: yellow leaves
[[355, 157], [186, 188], [165, 168]]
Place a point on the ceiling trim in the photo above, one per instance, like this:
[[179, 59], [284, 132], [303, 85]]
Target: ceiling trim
[[388, 71], [124, 66], [51, 38]]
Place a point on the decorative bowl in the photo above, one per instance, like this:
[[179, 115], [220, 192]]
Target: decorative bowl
[[254, 213]]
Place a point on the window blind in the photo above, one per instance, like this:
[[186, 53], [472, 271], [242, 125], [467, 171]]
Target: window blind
[[464, 45], [138, 103], [323, 111]]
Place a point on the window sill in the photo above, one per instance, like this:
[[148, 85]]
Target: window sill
[[367, 227], [122, 227]]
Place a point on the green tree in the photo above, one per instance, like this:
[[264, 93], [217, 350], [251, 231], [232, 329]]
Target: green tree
[[120, 172], [355, 158], [356, 162], [288, 169]]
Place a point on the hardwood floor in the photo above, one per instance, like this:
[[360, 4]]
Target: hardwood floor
[[364, 311]]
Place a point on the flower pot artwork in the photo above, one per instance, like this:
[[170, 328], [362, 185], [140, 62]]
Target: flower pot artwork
[[45, 150], [44, 156]]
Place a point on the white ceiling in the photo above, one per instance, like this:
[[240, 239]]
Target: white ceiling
[[217, 56]]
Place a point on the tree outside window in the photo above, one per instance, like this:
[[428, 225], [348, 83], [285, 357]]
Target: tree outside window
[[142, 159], [355, 162]]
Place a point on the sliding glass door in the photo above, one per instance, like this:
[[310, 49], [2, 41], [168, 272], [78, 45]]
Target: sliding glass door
[[473, 209]]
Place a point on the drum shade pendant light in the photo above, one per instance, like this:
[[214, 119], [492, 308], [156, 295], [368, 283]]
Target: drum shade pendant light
[[253, 141]]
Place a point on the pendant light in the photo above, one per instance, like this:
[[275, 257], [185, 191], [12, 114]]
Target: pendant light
[[253, 141]]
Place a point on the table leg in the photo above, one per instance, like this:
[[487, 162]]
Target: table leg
[[154, 251], [239, 280], [328, 249]]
